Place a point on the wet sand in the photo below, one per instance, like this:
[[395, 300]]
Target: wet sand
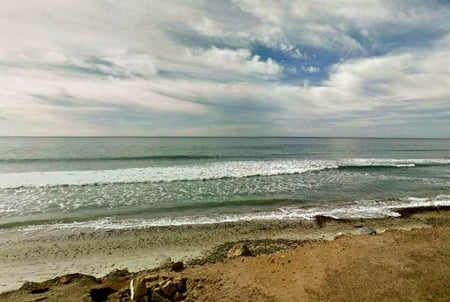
[[421, 237]]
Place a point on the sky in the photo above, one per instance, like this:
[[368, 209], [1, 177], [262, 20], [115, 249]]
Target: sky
[[225, 68]]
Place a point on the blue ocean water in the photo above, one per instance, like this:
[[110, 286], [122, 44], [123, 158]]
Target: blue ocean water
[[128, 182]]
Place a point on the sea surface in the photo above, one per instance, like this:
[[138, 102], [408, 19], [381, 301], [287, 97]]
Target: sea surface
[[123, 182]]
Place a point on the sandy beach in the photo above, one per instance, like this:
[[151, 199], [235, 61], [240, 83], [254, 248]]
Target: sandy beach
[[324, 260]]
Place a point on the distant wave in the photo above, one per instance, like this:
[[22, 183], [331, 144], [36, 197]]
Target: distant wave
[[204, 171], [393, 163], [378, 166], [118, 158]]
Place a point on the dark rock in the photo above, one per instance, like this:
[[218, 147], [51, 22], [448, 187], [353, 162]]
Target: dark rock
[[40, 290], [239, 250], [177, 266], [100, 294], [155, 297]]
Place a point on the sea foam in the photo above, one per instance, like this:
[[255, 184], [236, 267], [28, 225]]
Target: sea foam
[[205, 171], [354, 210]]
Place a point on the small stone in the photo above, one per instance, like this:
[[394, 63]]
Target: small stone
[[239, 250], [177, 266]]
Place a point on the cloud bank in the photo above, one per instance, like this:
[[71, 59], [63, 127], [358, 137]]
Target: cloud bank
[[237, 67]]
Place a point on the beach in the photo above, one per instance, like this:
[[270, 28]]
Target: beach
[[323, 260]]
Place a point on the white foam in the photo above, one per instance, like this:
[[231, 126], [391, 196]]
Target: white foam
[[359, 209], [195, 172], [159, 174]]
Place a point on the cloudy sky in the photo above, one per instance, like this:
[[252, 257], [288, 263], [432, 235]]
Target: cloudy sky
[[228, 67]]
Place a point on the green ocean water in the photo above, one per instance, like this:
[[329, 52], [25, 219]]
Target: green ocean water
[[123, 182]]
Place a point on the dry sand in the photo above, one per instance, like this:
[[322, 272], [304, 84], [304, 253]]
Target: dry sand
[[408, 260]]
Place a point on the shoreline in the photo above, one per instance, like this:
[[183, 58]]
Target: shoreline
[[39, 256]]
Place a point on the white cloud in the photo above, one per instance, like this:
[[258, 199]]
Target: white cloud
[[312, 69], [207, 27], [240, 61]]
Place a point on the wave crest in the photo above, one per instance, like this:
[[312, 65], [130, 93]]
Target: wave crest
[[205, 171]]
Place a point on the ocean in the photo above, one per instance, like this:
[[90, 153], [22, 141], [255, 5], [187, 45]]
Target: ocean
[[49, 183]]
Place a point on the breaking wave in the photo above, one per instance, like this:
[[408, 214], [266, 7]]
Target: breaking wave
[[355, 210], [204, 171]]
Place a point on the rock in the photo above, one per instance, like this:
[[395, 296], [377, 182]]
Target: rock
[[177, 266], [155, 297], [168, 288], [239, 250], [100, 294], [138, 290]]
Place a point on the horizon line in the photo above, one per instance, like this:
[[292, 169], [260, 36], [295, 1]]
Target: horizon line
[[211, 136]]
